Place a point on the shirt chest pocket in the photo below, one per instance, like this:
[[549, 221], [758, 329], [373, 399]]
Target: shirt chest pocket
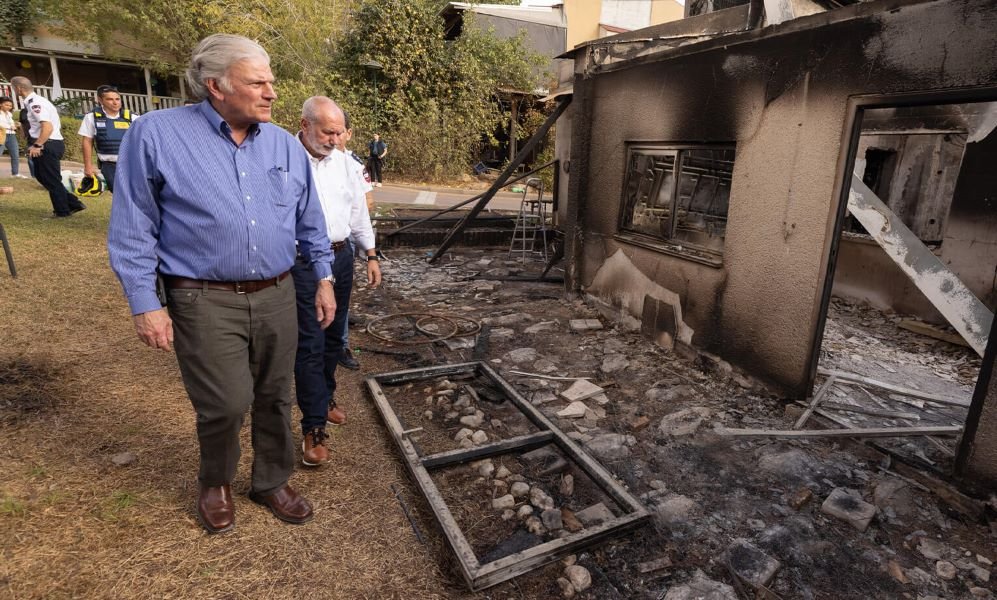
[[285, 186]]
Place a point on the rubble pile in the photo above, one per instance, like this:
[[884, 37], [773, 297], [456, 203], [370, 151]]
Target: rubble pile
[[732, 518]]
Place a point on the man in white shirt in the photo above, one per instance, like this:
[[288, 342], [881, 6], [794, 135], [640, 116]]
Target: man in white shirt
[[48, 148], [105, 127], [341, 195]]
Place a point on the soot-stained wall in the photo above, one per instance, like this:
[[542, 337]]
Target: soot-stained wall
[[783, 99]]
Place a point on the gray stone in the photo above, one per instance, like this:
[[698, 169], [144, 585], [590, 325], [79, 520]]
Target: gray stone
[[664, 395], [551, 519], [460, 343], [579, 577], [751, 564], [945, 570], [534, 525], [567, 485], [544, 460], [540, 499], [542, 397], [614, 363], [609, 446], [502, 472], [581, 389], [675, 509], [701, 587], [593, 515], [479, 437], [123, 459], [503, 502], [684, 422], [521, 355], [541, 326], [895, 494], [486, 468], [581, 325], [567, 590], [932, 549], [794, 465], [505, 320], [858, 513], [524, 511], [502, 334], [575, 410]]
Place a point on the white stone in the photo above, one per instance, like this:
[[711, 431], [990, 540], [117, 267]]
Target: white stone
[[848, 508], [502, 472], [473, 421], [534, 526], [521, 355], [579, 577], [541, 326], [524, 511], [479, 437], [581, 389], [519, 489], [701, 587], [614, 362], [428, 415], [508, 514], [486, 468], [463, 433], [466, 443], [683, 422], [503, 502], [575, 410], [123, 459], [593, 515]]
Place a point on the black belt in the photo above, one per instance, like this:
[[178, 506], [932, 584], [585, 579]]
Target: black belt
[[239, 287], [337, 246]]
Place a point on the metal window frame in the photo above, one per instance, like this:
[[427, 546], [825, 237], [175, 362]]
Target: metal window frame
[[480, 576], [658, 148]]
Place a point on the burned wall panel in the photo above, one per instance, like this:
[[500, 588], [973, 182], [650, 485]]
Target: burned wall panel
[[785, 110]]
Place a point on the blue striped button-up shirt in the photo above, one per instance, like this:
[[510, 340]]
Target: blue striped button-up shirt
[[188, 199]]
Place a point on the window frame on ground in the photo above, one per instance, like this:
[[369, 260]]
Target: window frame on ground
[[650, 202]]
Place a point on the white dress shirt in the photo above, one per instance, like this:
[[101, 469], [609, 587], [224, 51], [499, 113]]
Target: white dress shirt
[[341, 192], [39, 110]]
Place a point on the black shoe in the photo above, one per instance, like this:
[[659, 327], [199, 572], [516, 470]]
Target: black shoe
[[77, 209], [347, 360]]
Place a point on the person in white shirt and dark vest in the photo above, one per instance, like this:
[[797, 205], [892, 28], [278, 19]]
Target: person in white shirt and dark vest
[[105, 127], [47, 147], [341, 194]]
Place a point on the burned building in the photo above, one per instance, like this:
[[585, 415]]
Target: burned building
[[711, 164]]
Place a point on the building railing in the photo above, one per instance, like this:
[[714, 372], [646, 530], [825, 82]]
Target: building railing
[[136, 103]]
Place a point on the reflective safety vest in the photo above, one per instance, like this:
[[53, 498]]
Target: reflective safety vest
[[110, 131]]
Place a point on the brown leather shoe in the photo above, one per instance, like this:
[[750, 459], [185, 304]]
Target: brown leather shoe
[[215, 508], [336, 416], [285, 504], [313, 450]]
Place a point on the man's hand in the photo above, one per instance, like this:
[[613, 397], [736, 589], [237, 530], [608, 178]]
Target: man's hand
[[155, 328], [373, 273], [34, 152], [325, 303], [89, 170]]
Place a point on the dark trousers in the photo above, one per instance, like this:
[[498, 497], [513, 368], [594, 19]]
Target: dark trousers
[[107, 169], [319, 350], [48, 172], [374, 165], [236, 353]]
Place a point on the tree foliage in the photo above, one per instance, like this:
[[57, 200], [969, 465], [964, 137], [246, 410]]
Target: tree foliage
[[433, 100], [17, 19]]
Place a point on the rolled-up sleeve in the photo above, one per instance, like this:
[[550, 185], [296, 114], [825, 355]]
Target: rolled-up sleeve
[[313, 241], [133, 231]]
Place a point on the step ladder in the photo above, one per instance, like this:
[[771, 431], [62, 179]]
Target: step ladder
[[532, 219]]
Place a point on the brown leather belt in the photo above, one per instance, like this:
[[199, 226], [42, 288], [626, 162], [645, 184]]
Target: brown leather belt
[[337, 246], [239, 287]]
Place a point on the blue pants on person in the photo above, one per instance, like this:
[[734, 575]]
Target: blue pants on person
[[319, 350], [10, 144]]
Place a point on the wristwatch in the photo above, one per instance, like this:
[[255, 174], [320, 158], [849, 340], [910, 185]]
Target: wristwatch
[[39, 146], [373, 257]]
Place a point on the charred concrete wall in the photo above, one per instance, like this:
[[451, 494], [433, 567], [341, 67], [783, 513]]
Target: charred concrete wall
[[782, 98]]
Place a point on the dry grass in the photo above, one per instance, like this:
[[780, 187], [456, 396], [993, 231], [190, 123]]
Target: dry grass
[[78, 388]]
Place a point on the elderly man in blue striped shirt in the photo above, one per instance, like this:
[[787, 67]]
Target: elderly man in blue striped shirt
[[213, 197]]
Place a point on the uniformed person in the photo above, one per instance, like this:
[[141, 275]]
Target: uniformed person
[[104, 127], [47, 147]]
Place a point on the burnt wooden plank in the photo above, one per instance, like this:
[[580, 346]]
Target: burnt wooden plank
[[522, 442]]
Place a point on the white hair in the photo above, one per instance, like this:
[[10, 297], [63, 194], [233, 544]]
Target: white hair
[[215, 55], [311, 109]]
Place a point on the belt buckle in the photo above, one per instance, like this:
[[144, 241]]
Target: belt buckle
[[239, 288]]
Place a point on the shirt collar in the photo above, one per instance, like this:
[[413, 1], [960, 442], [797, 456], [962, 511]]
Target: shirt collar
[[218, 123]]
